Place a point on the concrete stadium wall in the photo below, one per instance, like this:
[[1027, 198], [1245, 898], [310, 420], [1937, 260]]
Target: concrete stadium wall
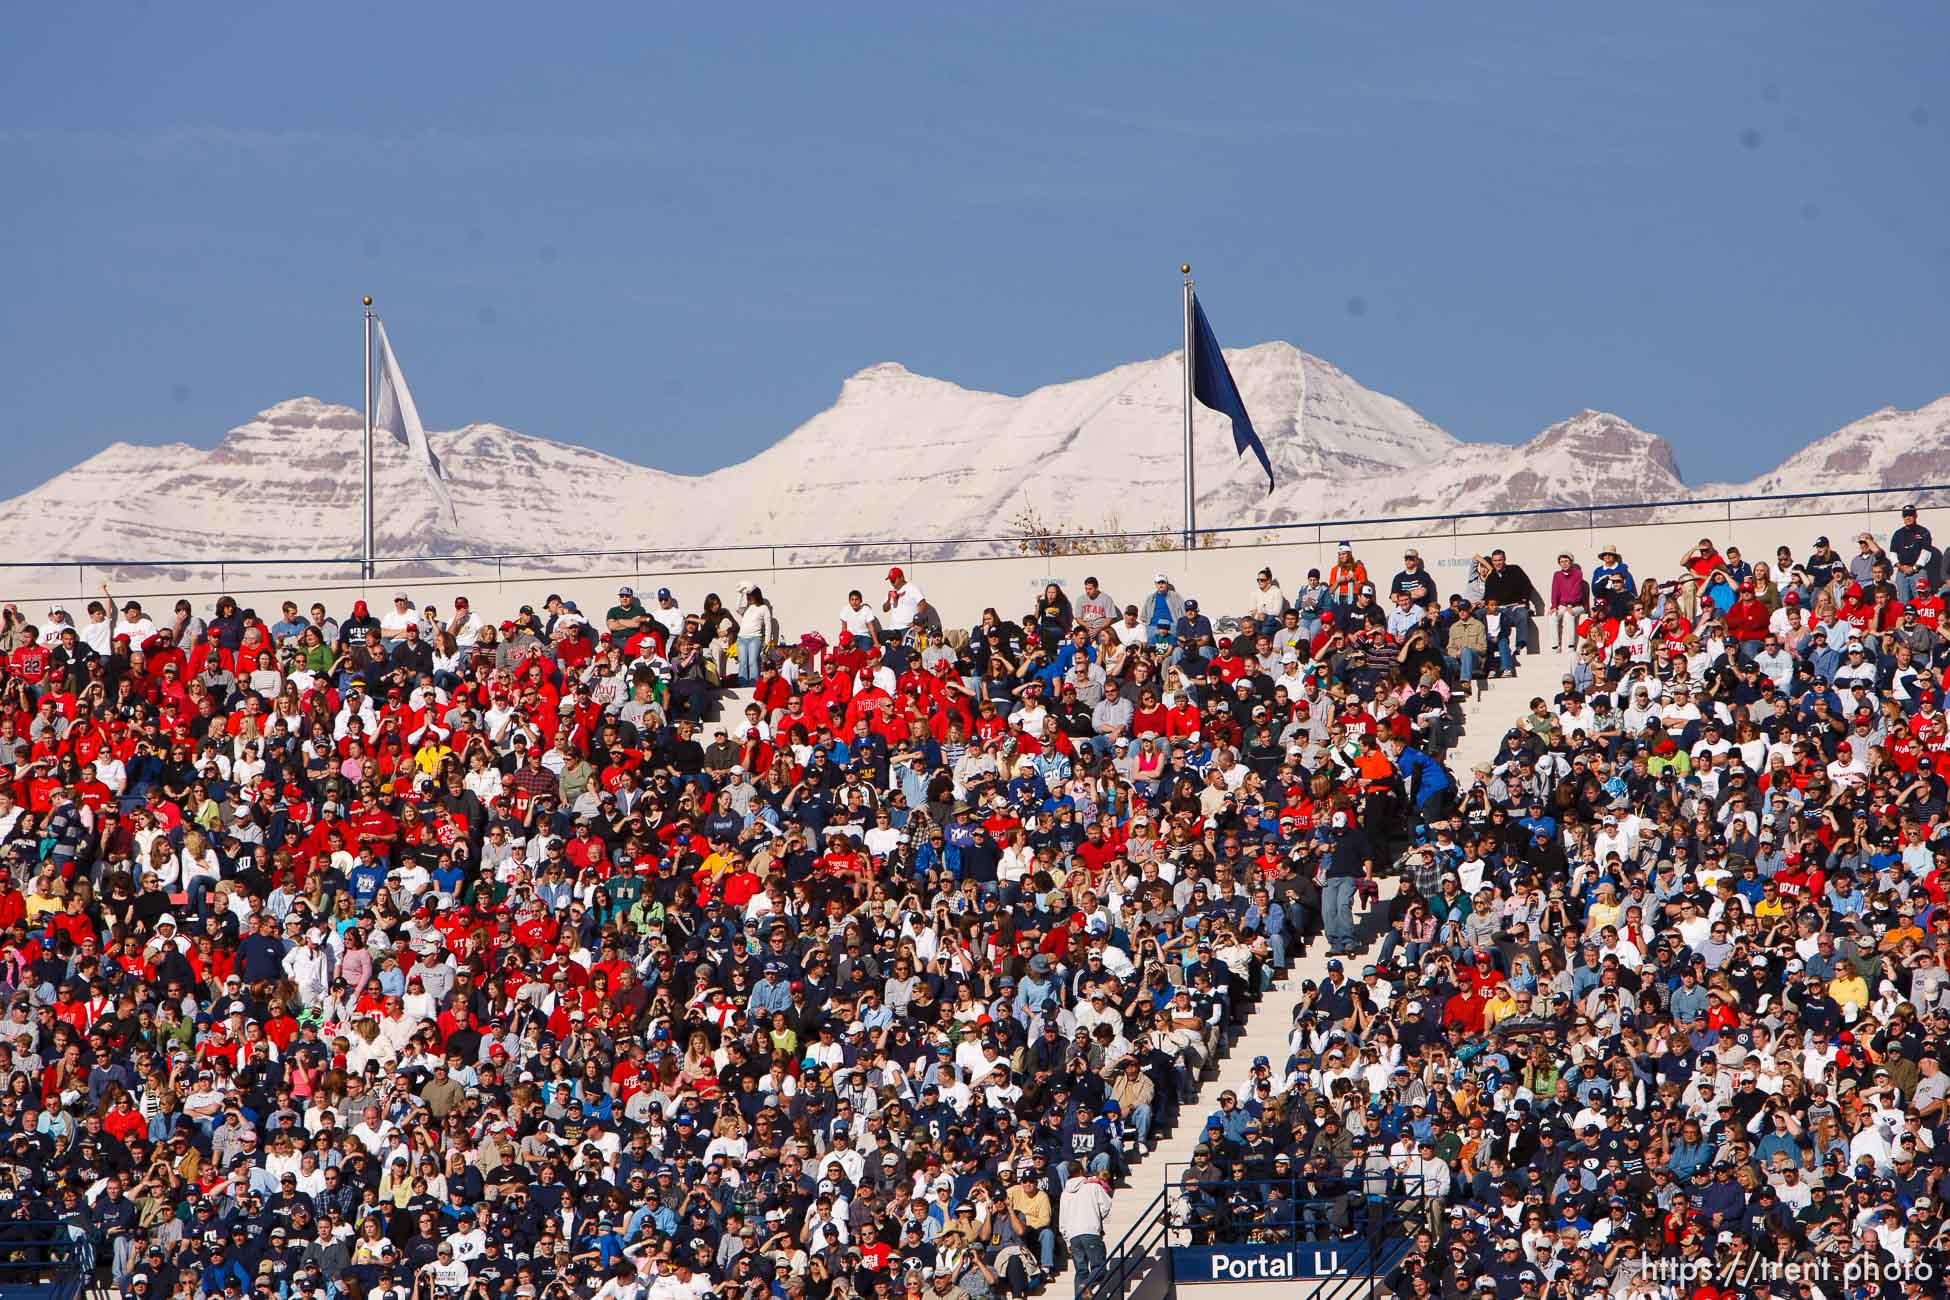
[[807, 585], [1289, 1290]]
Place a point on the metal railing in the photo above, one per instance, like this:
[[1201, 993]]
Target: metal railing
[[46, 1258], [1189, 1212], [646, 564], [1864, 501], [1136, 1251]]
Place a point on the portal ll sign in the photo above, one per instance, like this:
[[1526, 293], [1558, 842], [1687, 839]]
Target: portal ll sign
[[1193, 1265]]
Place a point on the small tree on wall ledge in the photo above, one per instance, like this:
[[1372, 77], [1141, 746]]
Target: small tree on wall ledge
[[1033, 534]]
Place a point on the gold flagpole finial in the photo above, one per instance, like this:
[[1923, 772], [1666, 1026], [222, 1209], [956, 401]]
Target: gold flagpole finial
[[367, 300]]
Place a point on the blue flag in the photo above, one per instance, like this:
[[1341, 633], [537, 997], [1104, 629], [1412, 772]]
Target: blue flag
[[1212, 385]]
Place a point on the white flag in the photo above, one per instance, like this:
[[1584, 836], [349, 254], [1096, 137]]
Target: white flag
[[398, 416]]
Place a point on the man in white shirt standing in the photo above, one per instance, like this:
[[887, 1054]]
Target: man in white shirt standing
[[903, 603], [98, 633]]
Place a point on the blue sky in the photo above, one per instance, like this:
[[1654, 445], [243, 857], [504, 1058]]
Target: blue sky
[[670, 232]]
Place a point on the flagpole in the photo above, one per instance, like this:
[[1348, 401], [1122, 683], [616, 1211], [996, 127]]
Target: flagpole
[[365, 462], [1191, 482]]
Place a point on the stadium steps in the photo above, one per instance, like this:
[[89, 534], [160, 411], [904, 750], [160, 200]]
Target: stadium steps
[[1492, 711], [1265, 1031]]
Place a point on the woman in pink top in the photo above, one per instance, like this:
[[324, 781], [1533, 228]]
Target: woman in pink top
[[1570, 598]]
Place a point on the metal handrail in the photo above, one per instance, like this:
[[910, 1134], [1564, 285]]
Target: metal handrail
[[1591, 512], [46, 1252], [1126, 1262]]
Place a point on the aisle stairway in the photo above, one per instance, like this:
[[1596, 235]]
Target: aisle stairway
[[1495, 707]]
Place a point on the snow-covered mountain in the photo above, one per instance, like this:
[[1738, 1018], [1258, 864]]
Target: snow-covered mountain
[[1593, 458], [901, 455], [1888, 449], [897, 455]]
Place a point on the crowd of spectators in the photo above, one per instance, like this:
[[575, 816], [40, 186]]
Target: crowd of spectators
[[416, 954], [1661, 1010], [349, 953]]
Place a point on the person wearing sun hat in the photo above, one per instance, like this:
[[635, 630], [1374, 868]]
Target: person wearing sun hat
[[1612, 584]]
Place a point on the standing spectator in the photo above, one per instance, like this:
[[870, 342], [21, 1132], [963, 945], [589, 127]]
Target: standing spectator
[[1082, 1215], [902, 607], [1350, 861], [1917, 562], [1346, 579], [757, 628]]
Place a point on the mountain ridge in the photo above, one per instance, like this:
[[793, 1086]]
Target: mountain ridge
[[1094, 453]]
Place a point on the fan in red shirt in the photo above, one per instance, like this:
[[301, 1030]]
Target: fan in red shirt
[[1464, 1010], [584, 850], [1182, 720], [72, 921], [1228, 665], [1149, 717], [1855, 611], [1097, 850], [373, 825], [536, 929], [1673, 631], [1929, 609], [989, 724], [210, 650], [1797, 880], [30, 663], [1747, 618], [13, 904]]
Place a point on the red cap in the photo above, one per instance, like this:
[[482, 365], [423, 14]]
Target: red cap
[[895, 575]]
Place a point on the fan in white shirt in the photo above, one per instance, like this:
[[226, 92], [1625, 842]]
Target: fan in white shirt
[[882, 839], [1614, 837], [1029, 718]]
